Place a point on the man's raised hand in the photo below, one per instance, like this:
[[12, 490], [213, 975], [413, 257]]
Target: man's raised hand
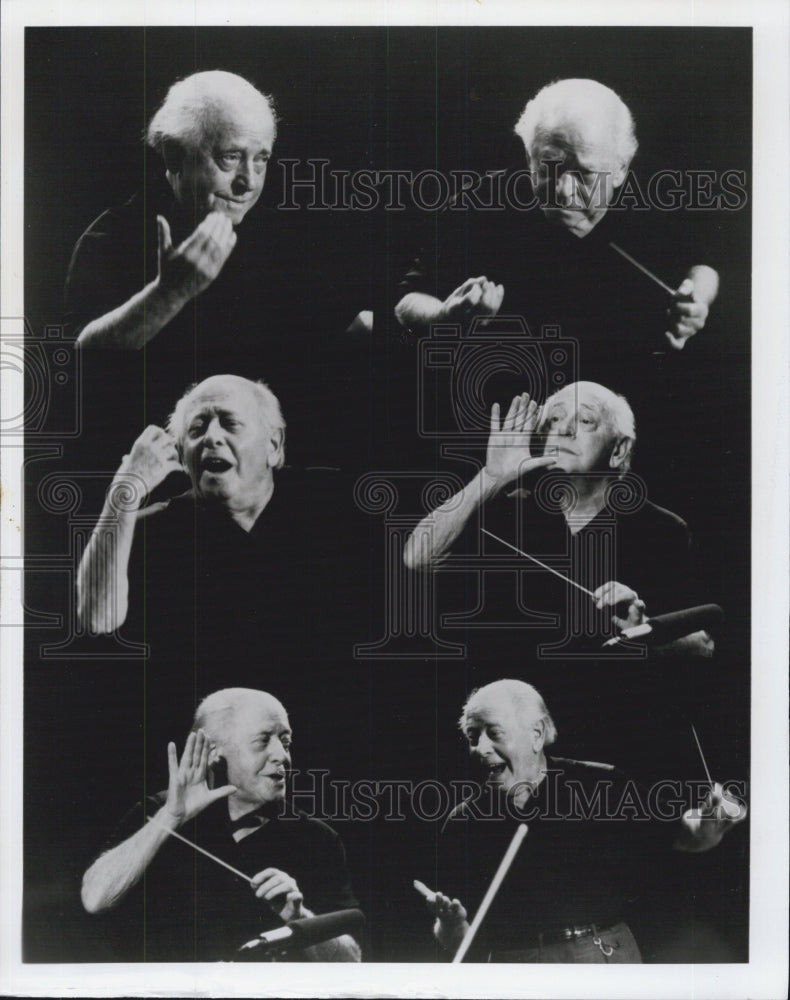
[[188, 792], [152, 458], [188, 269], [508, 455]]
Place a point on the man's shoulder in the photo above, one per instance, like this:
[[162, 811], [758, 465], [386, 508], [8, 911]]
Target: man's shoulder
[[586, 770], [660, 516]]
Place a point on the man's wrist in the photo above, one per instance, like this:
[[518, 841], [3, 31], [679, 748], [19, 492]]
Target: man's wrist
[[172, 299], [172, 820], [127, 490], [490, 484]]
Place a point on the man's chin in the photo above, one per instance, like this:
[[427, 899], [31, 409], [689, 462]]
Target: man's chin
[[575, 222], [235, 211]]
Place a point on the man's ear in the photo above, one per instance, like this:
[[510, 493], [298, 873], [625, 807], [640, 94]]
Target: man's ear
[[538, 735], [620, 453], [276, 445], [619, 173], [173, 154]]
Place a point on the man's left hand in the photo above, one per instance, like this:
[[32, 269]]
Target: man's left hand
[[704, 827], [611, 594], [281, 892], [689, 309]]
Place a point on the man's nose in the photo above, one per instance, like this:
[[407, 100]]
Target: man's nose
[[567, 427], [242, 179], [213, 432], [482, 746], [277, 750]]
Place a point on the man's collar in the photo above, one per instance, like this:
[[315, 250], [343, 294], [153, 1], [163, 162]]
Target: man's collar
[[256, 817]]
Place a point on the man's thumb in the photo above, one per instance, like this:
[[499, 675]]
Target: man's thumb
[[221, 793], [163, 231]]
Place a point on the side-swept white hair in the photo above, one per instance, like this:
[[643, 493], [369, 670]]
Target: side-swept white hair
[[194, 106], [524, 697], [268, 404], [562, 98]]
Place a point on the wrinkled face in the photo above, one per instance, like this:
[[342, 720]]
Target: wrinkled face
[[226, 172], [508, 743], [576, 429], [228, 448], [258, 751], [575, 191]]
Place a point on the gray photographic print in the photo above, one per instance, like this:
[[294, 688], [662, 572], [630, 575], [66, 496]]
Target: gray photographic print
[[384, 574]]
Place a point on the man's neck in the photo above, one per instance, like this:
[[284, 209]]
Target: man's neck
[[246, 515], [590, 501], [529, 786]]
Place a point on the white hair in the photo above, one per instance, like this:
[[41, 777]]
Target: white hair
[[194, 107], [268, 405], [615, 410], [216, 712], [563, 98], [526, 699]]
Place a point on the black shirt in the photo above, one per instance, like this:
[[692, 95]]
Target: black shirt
[[635, 543], [589, 845], [188, 908]]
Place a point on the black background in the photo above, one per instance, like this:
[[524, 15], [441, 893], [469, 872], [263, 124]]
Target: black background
[[374, 98]]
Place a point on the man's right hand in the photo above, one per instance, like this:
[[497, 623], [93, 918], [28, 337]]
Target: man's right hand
[[188, 269], [188, 792], [476, 297], [152, 458], [450, 915], [508, 455]]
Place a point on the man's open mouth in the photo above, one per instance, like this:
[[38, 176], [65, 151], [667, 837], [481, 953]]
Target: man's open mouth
[[494, 770], [215, 465]]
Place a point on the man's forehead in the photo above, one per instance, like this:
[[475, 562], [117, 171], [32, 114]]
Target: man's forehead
[[575, 396], [488, 708], [221, 392], [261, 715], [254, 127], [587, 130]]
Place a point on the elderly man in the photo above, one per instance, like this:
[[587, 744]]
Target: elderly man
[[196, 272], [588, 846], [225, 796], [234, 559], [618, 555], [215, 133], [228, 434], [555, 265]]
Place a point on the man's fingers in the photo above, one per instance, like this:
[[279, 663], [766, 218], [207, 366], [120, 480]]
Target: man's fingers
[[172, 759], [163, 234], [189, 749], [686, 288], [541, 462], [510, 416], [428, 894], [674, 341], [495, 418]]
